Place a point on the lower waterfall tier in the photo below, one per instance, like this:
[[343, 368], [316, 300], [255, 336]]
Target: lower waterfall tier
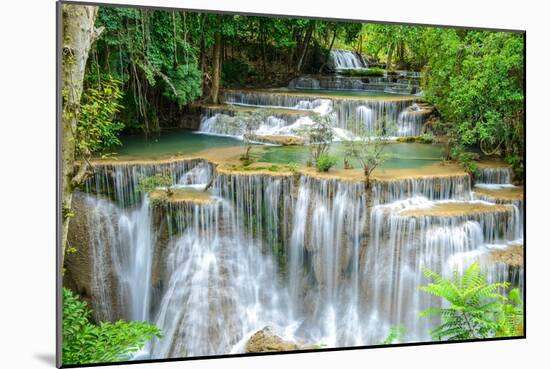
[[322, 260]]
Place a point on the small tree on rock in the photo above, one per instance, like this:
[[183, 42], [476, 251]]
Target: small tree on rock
[[319, 136], [368, 150]]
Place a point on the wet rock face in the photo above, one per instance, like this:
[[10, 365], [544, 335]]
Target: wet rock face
[[78, 270], [95, 283], [268, 341]]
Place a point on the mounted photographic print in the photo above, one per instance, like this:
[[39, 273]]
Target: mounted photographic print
[[236, 184]]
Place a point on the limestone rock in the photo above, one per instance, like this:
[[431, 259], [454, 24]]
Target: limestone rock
[[266, 340]]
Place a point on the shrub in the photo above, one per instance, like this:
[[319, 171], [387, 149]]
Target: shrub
[[320, 136], [97, 128], [473, 308], [427, 137], [151, 183], [395, 335], [86, 343], [325, 162], [465, 159]]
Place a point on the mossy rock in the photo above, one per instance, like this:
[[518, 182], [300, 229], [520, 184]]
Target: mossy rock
[[371, 72], [426, 139], [266, 340]]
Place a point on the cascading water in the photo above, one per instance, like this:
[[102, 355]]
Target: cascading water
[[433, 187], [219, 285], [327, 236], [392, 85], [314, 257], [496, 180], [410, 120], [121, 234], [405, 238], [343, 59], [348, 117], [120, 244], [120, 181], [497, 175]]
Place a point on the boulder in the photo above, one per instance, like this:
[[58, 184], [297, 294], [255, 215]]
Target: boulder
[[266, 340]]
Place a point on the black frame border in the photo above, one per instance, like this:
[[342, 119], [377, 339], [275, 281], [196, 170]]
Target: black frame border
[[59, 188]]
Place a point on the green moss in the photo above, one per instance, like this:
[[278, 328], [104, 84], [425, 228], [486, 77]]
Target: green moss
[[371, 72], [275, 168], [325, 162], [426, 138]]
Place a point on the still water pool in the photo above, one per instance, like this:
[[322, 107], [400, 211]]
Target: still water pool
[[186, 142]]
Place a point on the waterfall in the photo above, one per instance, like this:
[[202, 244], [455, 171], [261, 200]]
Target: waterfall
[[343, 59], [262, 202], [434, 188], [219, 285], [121, 235], [410, 120], [120, 180], [312, 257], [394, 85], [120, 243], [403, 243], [500, 262], [495, 181], [325, 244], [497, 175], [348, 116]]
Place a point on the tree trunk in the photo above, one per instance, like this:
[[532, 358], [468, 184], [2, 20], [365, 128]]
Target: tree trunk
[[216, 68], [401, 54], [263, 42], [390, 57], [202, 55], [327, 54], [78, 34], [305, 46]]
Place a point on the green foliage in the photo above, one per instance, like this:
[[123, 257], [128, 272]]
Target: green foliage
[[515, 161], [249, 121], [368, 149], [510, 316], [426, 138], [472, 307], [475, 79], [187, 84], [395, 335], [87, 343], [371, 72], [465, 158], [97, 129], [152, 53], [275, 168], [325, 162], [147, 184], [293, 167], [319, 136], [235, 73]]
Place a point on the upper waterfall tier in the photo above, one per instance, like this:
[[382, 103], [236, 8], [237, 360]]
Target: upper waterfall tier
[[393, 85], [120, 180], [289, 114], [434, 187], [493, 175], [343, 59]]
